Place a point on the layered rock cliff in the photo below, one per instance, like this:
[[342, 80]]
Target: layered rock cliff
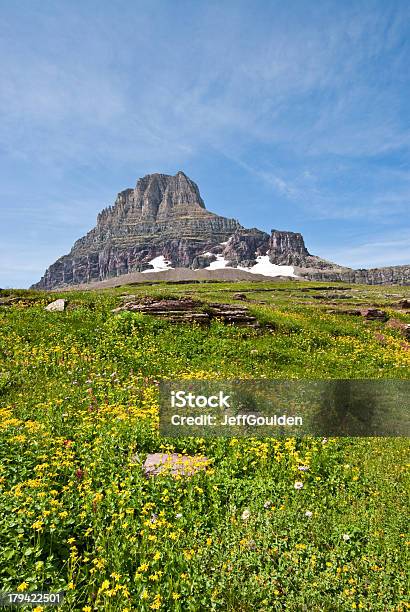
[[164, 216], [389, 275], [162, 223]]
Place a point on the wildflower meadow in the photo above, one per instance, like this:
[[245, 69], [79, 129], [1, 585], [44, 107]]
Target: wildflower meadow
[[270, 524]]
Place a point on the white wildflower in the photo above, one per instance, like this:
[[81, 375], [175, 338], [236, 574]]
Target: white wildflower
[[245, 514]]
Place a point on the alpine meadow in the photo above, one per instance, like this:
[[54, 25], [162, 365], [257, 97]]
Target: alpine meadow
[[270, 524], [204, 306]]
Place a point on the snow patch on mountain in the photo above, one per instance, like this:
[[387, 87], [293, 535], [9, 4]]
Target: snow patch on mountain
[[267, 268], [159, 264], [263, 266], [219, 263]]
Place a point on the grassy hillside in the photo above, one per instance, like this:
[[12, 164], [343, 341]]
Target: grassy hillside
[[78, 414]]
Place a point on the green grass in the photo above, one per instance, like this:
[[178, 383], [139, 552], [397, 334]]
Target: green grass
[[78, 402]]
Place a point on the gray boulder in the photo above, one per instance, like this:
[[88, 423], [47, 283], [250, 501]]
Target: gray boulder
[[56, 306]]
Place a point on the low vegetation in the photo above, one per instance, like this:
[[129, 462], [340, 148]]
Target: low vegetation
[[272, 524]]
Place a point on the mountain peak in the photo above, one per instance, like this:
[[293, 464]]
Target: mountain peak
[[160, 196], [163, 223], [163, 216]]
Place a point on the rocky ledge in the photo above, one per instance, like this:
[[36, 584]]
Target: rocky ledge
[[186, 310]]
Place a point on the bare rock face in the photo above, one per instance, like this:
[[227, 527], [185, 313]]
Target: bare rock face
[[164, 216], [244, 246], [287, 248], [164, 220], [391, 275]]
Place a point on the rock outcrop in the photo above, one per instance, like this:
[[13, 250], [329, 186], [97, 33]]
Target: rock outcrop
[[244, 246], [287, 248], [179, 310], [163, 224], [391, 275], [164, 216]]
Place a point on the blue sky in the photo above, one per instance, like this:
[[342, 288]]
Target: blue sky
[[288, 115]]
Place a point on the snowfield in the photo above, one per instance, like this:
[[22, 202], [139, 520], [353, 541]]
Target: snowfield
[[218, 264], [160, 264], [263, 266], [267, 268]]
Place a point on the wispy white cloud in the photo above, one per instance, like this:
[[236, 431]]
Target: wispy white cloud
[[311, 101], [261, 89], [392, 251]]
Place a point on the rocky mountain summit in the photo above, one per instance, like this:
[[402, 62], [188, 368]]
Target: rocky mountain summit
[[162, 224]]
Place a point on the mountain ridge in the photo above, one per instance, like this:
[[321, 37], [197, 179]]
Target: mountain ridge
[[163, 223]]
